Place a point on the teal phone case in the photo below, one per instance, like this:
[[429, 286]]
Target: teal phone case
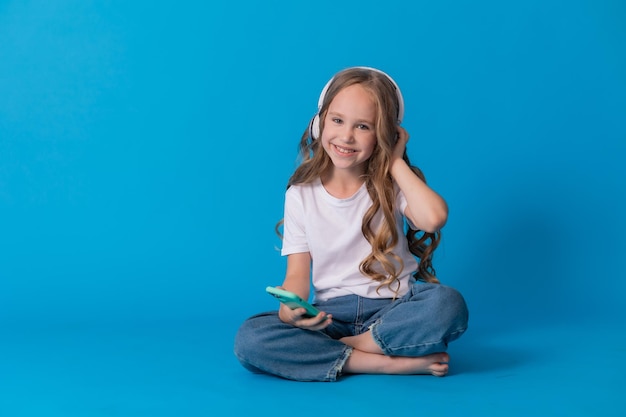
[[292, 300]]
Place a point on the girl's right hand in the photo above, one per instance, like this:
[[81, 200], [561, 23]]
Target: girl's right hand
[[297, 318]]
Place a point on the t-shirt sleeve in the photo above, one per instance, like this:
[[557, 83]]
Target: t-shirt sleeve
[[294, 228]]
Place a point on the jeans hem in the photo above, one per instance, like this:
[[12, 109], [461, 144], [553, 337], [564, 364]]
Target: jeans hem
[[426, 347], [377, 339], [337, 368]]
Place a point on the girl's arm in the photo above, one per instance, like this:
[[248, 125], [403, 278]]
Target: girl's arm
[[426, 209], [297, 280]]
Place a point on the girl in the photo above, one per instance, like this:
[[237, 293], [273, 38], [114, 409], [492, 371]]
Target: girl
[[343, 230]]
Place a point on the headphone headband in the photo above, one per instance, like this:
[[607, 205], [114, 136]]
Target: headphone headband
[[314, 126]]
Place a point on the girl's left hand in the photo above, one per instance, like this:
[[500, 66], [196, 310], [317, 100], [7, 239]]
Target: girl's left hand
[[400, 147]]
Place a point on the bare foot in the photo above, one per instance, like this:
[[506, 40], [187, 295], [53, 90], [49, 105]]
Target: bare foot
[[361, 362]]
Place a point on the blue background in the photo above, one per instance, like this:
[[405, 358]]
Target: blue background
[[144, 153]]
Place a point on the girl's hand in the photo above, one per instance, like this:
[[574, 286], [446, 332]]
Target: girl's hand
[[403, 138], [297, 318]]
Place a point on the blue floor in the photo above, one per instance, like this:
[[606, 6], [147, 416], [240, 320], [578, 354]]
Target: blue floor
[[186, 368]]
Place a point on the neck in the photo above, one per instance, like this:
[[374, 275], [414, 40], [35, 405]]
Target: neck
[[342, 184]]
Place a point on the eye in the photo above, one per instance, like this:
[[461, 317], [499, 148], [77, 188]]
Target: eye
[[362, 126], [337, 120]]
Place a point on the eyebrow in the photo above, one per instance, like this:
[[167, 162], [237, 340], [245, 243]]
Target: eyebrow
[[341, 116]]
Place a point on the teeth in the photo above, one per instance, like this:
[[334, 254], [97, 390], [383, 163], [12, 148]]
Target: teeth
[[343, 150]]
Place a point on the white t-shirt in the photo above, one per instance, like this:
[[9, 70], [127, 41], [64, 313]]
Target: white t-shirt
[[329, 229]]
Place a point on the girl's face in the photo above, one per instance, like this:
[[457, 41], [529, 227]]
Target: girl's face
[[349, 135]]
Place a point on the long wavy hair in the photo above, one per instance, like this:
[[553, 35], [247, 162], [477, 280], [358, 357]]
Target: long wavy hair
[[379, 265]]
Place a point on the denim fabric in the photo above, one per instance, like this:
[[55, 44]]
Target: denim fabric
[[422, 322]]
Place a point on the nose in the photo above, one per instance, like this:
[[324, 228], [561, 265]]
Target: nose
[[347, 133]]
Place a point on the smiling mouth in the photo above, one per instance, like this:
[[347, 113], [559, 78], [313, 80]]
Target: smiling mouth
[[344, 151]]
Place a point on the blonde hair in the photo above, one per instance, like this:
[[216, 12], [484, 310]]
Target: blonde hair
[[379, 264]]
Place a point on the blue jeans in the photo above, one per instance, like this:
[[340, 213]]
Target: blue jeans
[[422, 322]]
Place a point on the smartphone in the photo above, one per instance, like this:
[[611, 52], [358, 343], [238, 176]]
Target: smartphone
[[292, 300]]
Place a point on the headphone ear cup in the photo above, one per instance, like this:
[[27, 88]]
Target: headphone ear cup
[[314, 128]]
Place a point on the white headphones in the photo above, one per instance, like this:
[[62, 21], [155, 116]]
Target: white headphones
[[314, 126]]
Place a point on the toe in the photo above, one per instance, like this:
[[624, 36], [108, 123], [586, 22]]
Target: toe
[[439, 369]]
